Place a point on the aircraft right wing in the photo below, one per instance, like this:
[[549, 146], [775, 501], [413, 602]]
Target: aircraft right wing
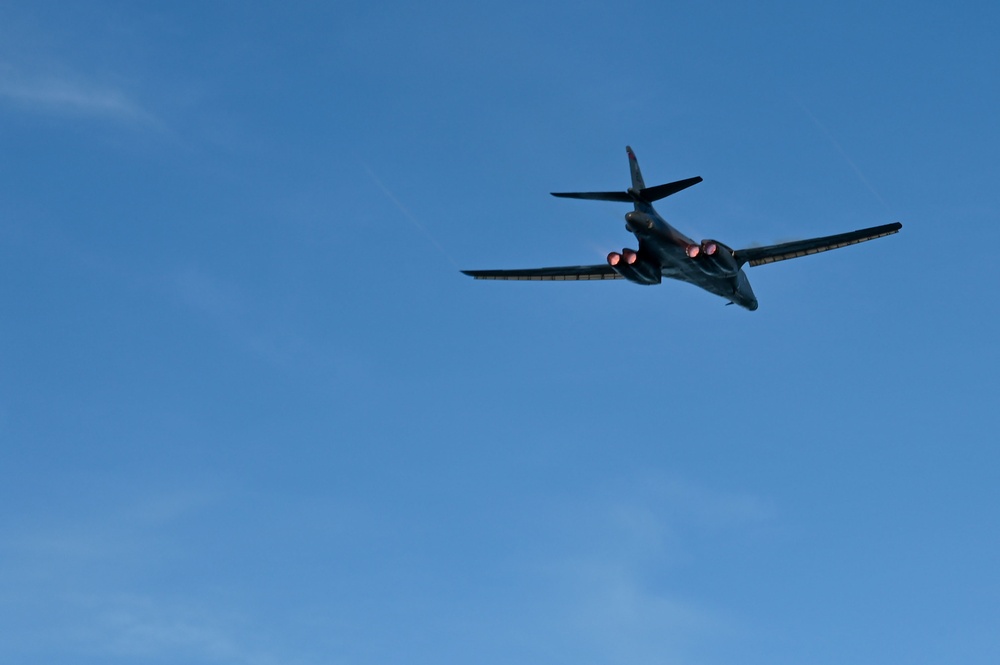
[[757, 256], [563, 274]]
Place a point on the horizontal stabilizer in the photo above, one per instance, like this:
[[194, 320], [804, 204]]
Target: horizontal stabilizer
[[563, 274], [621, 197], [647, 195], [651, 194], [757, 256]]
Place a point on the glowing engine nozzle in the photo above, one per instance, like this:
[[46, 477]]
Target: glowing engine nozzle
[[614, 258], [630, 256], [710, 247], [692, 251]]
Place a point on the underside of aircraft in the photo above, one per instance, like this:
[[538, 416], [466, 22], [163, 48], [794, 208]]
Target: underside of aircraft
[[663, 251]]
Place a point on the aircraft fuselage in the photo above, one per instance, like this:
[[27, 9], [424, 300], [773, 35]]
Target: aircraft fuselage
[[660, 244]]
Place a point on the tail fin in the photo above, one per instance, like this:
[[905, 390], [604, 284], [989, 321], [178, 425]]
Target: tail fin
[[638, 192], [638, 184]]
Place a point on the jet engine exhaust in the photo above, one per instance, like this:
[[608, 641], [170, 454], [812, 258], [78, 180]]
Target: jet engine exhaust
[[614, 258], [630, 256], [692, 251], [716, 259]]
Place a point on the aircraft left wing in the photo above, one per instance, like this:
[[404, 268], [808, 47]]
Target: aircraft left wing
[[757, 256], [562, 274]]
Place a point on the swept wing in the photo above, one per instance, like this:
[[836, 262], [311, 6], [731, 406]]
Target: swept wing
[[757, 256], [561, 274]]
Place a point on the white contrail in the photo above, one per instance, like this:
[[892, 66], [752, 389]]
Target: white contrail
[[413, 220], [861, 176]]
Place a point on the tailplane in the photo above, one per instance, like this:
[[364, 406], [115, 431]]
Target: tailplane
[[638, 193]]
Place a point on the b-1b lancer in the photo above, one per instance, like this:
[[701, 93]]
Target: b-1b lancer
[[666, 252]]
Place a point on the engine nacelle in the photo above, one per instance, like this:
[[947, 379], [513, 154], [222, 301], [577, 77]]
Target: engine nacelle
[[635, 268], [716, 259]]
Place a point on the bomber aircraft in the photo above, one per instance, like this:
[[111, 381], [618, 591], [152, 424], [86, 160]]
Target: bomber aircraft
[[663, 251]]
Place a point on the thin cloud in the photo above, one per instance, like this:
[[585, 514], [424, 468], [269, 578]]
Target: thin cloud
[[68, 590], [137, 627], [60, 95], [622, 620], [612, 592], [266, 334]]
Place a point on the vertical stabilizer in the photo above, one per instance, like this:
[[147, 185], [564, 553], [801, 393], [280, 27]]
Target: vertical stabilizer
[[637, 182]]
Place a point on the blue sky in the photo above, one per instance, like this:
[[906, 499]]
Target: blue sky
[[250, 412]]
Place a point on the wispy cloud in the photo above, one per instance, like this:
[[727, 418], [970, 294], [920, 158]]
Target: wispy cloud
[[136, 627], [70, 96], [69, 590], [130, 528], [650, 516], [708, 508], [624, 620], [617, 598], [235, 314]]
